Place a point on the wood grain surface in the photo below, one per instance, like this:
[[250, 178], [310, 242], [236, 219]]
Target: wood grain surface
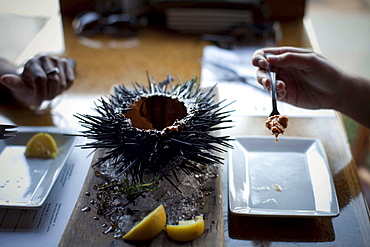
[[84, 230]]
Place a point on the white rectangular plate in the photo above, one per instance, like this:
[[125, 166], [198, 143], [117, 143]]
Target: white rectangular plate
[[26, 182], [290, 178]]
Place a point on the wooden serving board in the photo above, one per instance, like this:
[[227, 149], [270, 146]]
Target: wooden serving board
[[83, 230]]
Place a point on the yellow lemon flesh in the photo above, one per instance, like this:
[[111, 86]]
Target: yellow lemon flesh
[[149, 227], [41, 145], [186, 230]]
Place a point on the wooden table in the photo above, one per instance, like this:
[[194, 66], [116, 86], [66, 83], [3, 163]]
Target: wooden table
[[100, 66]]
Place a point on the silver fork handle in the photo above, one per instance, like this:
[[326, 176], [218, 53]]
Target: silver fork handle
[[272, 74], [273, 83]]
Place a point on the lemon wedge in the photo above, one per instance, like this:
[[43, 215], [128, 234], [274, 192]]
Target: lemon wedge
[[41, 145], [186, 230], [149, 227]]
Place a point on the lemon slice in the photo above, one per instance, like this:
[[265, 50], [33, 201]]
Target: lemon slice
[[41, 145], [149, 227], [186, 230]]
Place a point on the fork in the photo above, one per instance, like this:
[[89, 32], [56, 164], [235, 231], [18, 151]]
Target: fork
[[272, 74], [4, 133]]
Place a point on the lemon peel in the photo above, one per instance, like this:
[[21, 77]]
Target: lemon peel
[[41, 145], [186, 230], [149, 227]]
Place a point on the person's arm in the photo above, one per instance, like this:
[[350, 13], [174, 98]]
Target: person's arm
[[355, 99], [306, 79]]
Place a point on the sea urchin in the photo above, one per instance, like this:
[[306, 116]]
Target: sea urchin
[[161, 129]]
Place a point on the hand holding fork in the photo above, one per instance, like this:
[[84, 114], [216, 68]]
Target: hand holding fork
[[272, 74]]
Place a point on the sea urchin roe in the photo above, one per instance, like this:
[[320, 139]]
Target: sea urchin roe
[[277, 125], [156, 112]]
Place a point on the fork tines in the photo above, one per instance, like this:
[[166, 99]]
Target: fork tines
[[4, 133]]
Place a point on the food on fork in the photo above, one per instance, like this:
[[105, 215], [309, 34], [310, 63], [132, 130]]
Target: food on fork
[[277, 125], [41, 145]]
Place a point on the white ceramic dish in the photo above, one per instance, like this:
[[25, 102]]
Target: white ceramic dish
[[290, 178], [26, 182]]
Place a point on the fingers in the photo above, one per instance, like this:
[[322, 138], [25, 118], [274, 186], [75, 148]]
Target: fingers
[[35, 79], [52, 70], [264, 79], [280, 90], [66, 74], [69, 72], [56, 81], [39, 73], [259, 59], [59, 82], [299, 61]]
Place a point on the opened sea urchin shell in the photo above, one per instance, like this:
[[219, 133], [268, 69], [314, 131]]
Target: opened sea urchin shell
[[161, 129]]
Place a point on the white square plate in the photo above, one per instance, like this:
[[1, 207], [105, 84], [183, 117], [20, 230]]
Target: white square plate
[[290, 178], [26, 182]]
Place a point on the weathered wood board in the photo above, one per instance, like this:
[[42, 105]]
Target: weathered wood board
[[83, 230]]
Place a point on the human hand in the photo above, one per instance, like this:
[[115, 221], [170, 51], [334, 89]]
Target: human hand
[[304, 78], [43, 78]]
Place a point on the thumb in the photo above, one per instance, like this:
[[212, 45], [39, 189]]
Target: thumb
[[12, 82], [18, 88]]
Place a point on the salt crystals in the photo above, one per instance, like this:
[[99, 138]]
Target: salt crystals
[[182, 202]]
